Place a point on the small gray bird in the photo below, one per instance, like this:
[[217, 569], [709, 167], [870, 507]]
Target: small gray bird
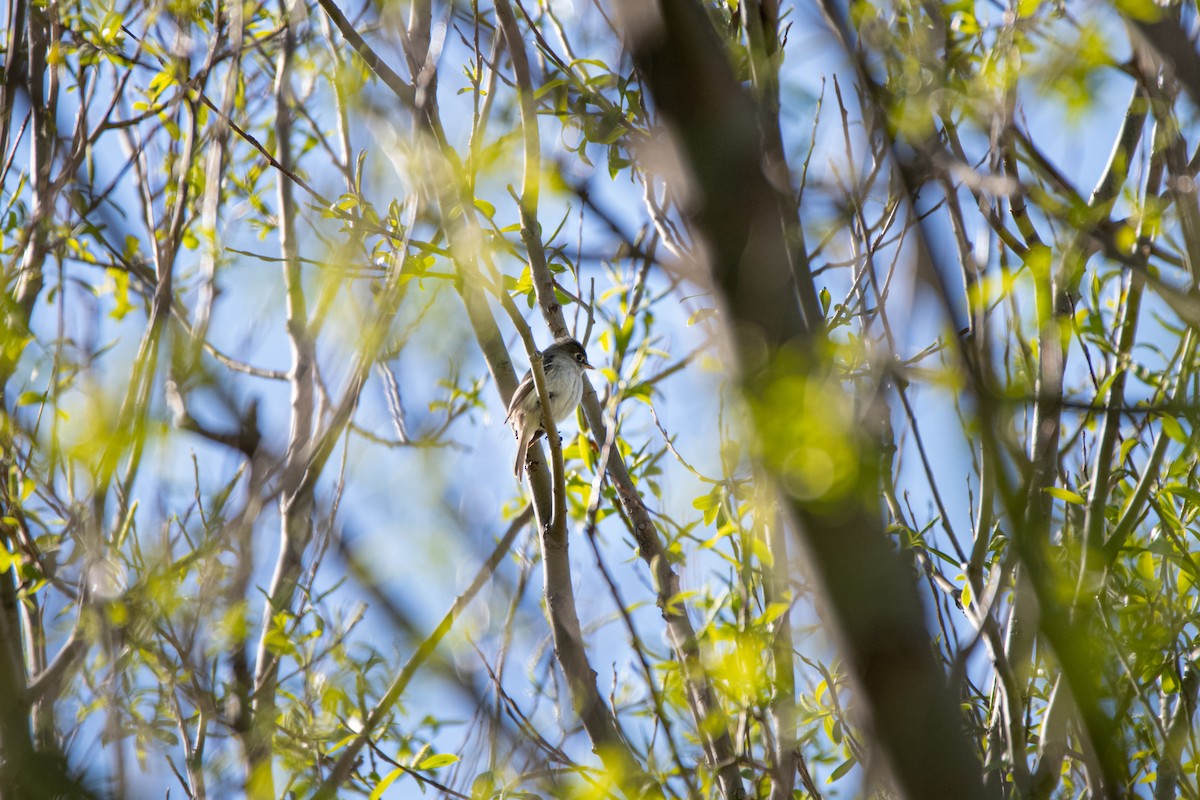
[[563, 364]]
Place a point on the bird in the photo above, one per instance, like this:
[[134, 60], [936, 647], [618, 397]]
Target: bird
[[563, 364]]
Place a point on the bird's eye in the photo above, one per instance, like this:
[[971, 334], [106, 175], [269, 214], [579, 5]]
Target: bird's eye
[[579, 357]]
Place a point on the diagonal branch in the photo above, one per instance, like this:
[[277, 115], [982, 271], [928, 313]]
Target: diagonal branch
[[346, 761]]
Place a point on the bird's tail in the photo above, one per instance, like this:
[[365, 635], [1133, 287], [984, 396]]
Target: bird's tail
[[523, 441]]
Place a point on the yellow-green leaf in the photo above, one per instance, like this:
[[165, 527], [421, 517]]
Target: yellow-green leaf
[[388, 780], [1066, 495], [439, 760], [842, 769], [1172, 428]]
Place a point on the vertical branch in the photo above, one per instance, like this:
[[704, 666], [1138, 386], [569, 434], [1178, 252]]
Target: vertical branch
[[41, 146], [29, 768], [25, 65], [760, 18], [1110, 424], [167, 242], [15, 737], [16, 57], [214, 172], [1173, 389], [550, 507], [783, 679], [597, 718], [296, 490], [531, 230], [760, 21], [1054, 307], [1054, 298], [135, 407], [702, 699]]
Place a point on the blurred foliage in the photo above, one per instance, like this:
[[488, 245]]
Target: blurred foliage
[[248, 288]]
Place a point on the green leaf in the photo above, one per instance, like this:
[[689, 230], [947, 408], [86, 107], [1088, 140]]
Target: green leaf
[[437, 761], [1183, 581], [710, 504], [547, 87], [842, 769], [1066, 495], [1126, 447], [484, 785], [1166, 512], [1145, 565], [383, 785], [345, 740], [1142, 10], [30, 398], [773, 611], [120, 294], [674, 602], [119, 539], [833, 729], [1172, 428], [590, 61], [1192, 496], [762, 552]]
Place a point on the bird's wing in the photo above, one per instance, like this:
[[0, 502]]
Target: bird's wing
[[523, 390]]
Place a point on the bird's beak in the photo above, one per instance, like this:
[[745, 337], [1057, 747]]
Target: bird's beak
[[587, 365]]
